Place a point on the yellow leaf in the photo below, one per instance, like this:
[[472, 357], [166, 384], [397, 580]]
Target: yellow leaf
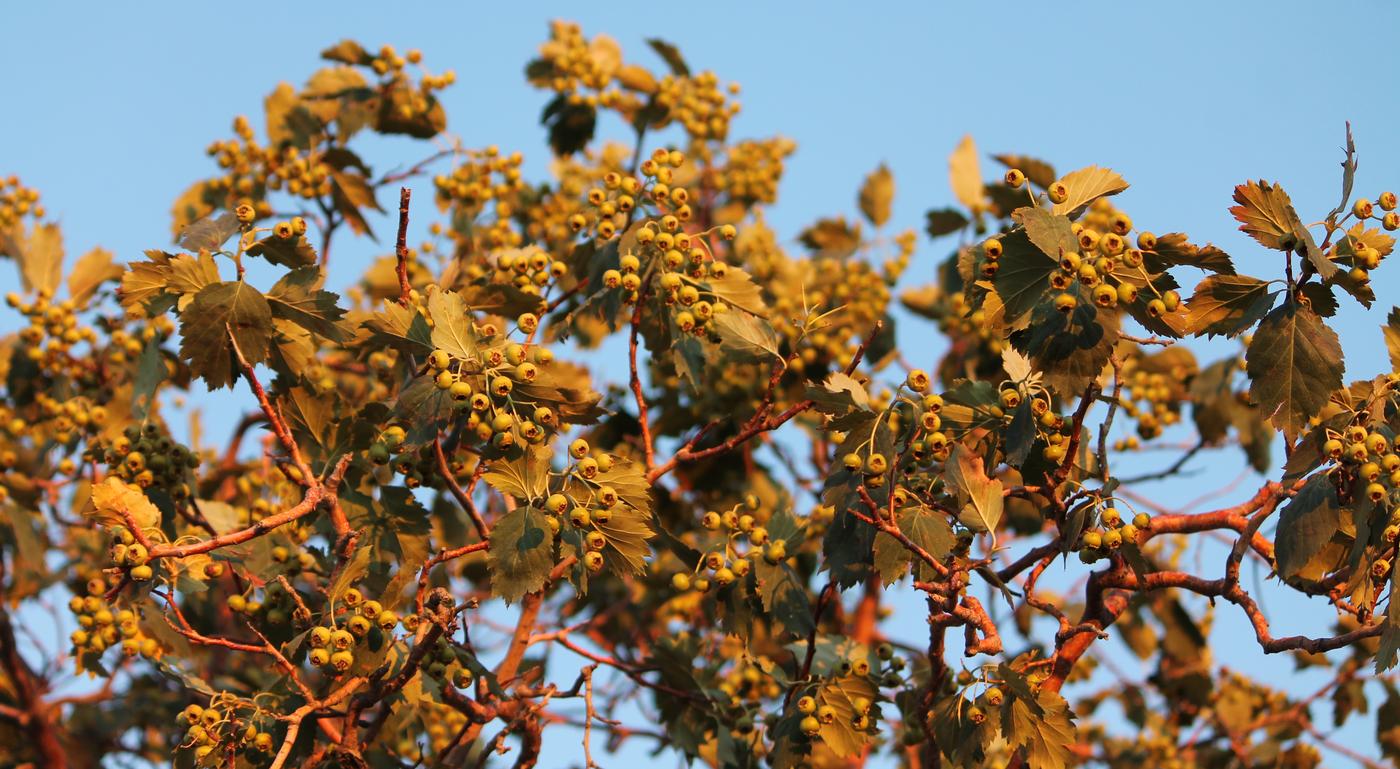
[[965, 175], [113, 501]]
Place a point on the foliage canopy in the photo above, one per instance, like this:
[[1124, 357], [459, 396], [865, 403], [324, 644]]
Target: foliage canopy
[[453, 520]]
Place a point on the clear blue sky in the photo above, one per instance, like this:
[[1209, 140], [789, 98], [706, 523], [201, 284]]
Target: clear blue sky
[[109, 108]]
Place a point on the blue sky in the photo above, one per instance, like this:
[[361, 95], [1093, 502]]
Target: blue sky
[[109, 108]]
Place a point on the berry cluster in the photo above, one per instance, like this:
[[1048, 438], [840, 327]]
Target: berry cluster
[[333, 647], [744, 539], [18, 201], [699, 104], [209, 728], [150, 458], [1363, 249], [483, 177], [1111, 534], [126, 553], [100, 627], [530, 269], [752, 170], [573, 64]]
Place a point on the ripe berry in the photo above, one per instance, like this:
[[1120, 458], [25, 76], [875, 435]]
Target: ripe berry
[[1058, 192], [1362, 209], [810, 726], [1014, 178]]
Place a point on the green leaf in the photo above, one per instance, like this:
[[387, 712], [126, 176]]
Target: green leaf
[[218, 311], [39, 255], [209, 233], [1040, 173], [1227, 305], [925, 527], [980, 496], [452, 325], [840, 736], [1391, 330], [1389, 646], [1023, 277], [943, 221], [738, 289], [348, 52], [965, 175], [839, 394], [571, 126], [351, 193], [295, 251], [1306, 524], [877, 195], [1294, 363], [521, 554], [1085, 186], [629, 528], [401, 327], [298, 297], [747, 336], [1042, 727], [672, 56], [1348, 175], [1174, 250], [150, 372], [526, 477], [1266, 214], [1052, 234], [689, 356], [92, 270]]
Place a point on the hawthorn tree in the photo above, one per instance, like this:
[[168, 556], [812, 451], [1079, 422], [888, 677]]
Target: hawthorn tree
[[453, 520]]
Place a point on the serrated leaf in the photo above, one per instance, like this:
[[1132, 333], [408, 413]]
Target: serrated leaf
[[1042, 727], [671, 54], [1023, 277], [401, 327], [295, 251], [1227, 305], [1085, 186], [1306, 524], [39, 255], [92, 270], [1017, 366], [1174, 249], [838, 394], [348, 52], [208, 233], [1040, 173], [452, 325], [737, 288], [521, 553], [1052, 234], [206, 324], [1391, 331], [1294, 363], [924, 527], [943, 221], [351, 193], [965, 175], [1266, 214], [747, 336], [298, 297], [979, 495], [113, 500], [1348, 174], [840, 736], [877, 195]]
